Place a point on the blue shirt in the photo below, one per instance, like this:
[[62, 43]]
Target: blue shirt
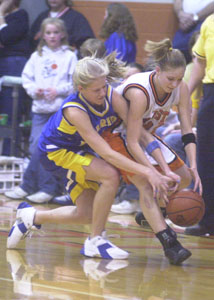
[[126, 49], [59, 133]]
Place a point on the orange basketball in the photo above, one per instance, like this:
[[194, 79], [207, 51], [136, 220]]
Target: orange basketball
[[185, 208]]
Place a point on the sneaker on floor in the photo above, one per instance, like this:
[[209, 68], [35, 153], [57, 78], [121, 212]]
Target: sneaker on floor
[[39, 197], [100, 247], [62, 200], [23, 225], [125, 207], [177, 254], [17, 193]]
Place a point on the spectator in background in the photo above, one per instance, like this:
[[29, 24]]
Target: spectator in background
[[14, 52], [91, 47], [190, 14], [203, 70], [77, 25], [47, 78], [119, 32]]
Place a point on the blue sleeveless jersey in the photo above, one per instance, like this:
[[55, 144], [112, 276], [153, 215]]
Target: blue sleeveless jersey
[[59, 133]]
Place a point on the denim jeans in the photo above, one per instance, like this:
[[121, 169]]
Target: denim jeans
[[38, 122], [36, 178]]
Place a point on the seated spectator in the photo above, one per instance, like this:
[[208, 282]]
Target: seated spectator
[[77, 25], [190, 14], [14, 52], [47, 78], [119, 32]]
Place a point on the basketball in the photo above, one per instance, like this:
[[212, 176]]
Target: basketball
[[185, 208]]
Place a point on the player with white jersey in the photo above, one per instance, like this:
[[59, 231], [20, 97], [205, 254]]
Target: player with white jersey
[[151, 95]]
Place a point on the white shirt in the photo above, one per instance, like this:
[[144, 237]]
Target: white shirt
[[194, 6], [53, 69], [157, 111]]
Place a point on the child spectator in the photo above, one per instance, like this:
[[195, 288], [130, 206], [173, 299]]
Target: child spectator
[[47, 78]]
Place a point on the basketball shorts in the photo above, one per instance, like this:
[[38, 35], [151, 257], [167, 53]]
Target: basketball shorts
[[68, 165], [117, 141]]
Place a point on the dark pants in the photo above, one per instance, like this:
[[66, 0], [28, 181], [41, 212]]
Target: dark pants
[[181, 41], [11, 66], [205, 152]]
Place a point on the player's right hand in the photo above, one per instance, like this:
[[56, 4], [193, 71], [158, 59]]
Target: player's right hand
[[160, 185]]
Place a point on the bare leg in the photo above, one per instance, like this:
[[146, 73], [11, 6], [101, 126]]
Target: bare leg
[[89, 205], [79, 214], [153, 213]]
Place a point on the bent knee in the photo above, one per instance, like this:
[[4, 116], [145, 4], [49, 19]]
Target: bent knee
[[111, 176]]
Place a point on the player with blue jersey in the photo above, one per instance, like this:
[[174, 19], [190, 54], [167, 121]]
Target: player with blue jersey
[[73, 145]]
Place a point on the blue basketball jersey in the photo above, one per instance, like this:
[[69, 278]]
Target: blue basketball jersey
[[59, 133]]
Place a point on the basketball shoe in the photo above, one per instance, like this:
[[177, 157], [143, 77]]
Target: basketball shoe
[[101, 247], [125, 207], [23, 225], [173, 250]]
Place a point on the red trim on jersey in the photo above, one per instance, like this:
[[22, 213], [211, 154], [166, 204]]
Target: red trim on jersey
[[159, 102], [142, 88]]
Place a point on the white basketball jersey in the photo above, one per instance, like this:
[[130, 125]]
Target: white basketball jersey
[[157, 110]]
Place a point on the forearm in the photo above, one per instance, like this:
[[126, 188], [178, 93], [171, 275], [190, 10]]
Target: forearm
[[197, 74], [205, 12], [121, 162], [190, 150], [139, 155], [158, 156]]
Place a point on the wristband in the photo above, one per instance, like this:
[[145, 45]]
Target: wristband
[[188, 138], [152, 146]]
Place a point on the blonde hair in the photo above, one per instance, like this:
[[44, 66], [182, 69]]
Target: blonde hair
[[89, 69], [163, 55], [59, 24]]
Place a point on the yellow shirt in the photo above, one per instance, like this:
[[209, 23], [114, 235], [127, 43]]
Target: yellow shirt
[[204, 48]]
